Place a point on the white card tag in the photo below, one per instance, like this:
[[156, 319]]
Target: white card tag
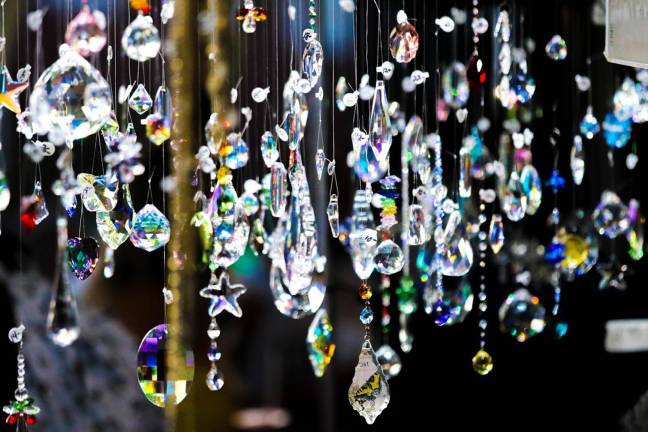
[[626, 38], [623, 336]]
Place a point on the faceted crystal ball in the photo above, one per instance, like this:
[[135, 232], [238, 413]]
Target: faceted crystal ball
[[160, 385], [70, 98], [141, 40], [151, 229], [85, 33], [404, 42], [610, 216], [522, 315]]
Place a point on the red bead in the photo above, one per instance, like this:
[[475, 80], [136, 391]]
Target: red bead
[[30, 419], [12, 419]]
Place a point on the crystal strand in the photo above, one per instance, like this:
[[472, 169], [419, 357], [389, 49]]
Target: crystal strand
[[439, 240], [21, 411], [482, 361]]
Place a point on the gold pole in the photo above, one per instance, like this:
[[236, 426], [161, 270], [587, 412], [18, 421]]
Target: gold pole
[[180, 262]]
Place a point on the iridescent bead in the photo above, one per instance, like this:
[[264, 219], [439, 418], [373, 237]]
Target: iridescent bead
[[482, 362]]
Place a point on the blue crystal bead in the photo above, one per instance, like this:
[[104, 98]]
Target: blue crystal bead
[[366, 315]]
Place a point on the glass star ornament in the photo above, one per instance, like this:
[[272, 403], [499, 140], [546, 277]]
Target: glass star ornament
[[151, 229], [140, 100], [115, 226], [319, 342], [141, 39], [556, 48], [522, 315], [616, 131], [369, 391], [10, 90], [160, 384], [86, 32], [403, 39], [223, 296], [82, 256], [71, 99]]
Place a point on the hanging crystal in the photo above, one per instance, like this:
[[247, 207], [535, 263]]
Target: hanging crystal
[[33, 208], [419, 224], [140, 100], [63, 318], [333, 215], [108, 263], [514, 202], [98, 193], [403, 39], [496, 233], [363, 235], [532, 188], [388, 258], [312, 59], [278, 189], [389, 361], [464, 172], [5, 193], [556, 48], [369, 391], [319, 163], [86, 32], [141, 39], [610, 216], [522, 315], [455, 85], [82, 256], [70, 99], [380, 136], [230, 226], [151, 229], [577, 160], [160, 384], [269, 149], [458, 254], [319, 341], [589, 125], [115, 226]]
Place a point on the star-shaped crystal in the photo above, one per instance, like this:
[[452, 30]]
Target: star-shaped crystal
[[223, 296], [613, 275], [9, 91]]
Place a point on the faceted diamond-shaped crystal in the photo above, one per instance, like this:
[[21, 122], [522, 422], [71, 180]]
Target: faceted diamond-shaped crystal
[[82, 256], [369, 391], [151, 229], [160, 384], [319, 342], [556, 48], [140, 101], [115, 226]]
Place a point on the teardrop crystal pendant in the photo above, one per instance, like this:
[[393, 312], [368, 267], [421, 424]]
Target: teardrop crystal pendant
[[532, 188], [369, 391], [258, 237], [319, 341], [312, 61], [333, 215], [278, 189], [458, 254], [33, 208], [269, 149], [514, 202], [140, 101], [116, 225], [577, 160], [151, 229], [380, 134], [63, 318], [160, 384], [389, 257], [363, 236], [82, 256], [496, 233]]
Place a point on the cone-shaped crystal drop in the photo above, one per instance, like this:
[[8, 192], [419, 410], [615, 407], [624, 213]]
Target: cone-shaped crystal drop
[[319, 342], [278, 189], [140, 101], [333, 215], [418, 225], [363, 235], [369, 391], [389, 257], [380, 136], [465, 188], [458, 254], [151, 229], [269, 149], [116, 225], [389, 360], [577, 160], [63, 317], [532, 188], [496, 233], [319, 163], [514, 202]]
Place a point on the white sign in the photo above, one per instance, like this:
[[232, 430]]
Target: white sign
[[625, 336], [626, 35]]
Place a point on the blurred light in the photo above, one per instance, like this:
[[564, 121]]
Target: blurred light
[[261, 418]]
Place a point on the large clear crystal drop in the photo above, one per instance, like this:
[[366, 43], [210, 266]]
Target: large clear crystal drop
[[313, 59], [160, 384], [63, 318], [70, 98], [141, 40], [380, 136], [115, 226], [369, 391], [269, 149], [363, 236], [514, 201], [367, 166], [577, 160], [230, 226], [299, 305], [151, 229], [319, 341], [278, 189], [333, 215], [98, 193], [389, 257], [532, 188], [458, 254]]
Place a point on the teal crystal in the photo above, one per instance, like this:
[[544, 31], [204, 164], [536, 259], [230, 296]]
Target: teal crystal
[[616, 131], [151, 229], [116, 225]]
